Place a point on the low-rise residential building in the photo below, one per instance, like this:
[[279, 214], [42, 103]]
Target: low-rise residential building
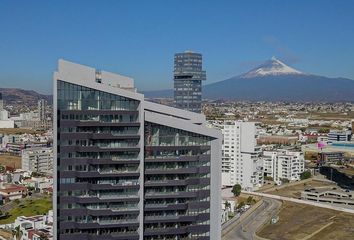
[[37, 159], [283, 164], [17, 148], [278, 139], [241, 161], [35, 227], [330, 157], [11, 192], [347, 148], [339, 136], [5, 122], [42, 184]]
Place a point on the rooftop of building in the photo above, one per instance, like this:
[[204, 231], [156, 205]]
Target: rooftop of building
[[9, 187], [346, 147], [330, 192]]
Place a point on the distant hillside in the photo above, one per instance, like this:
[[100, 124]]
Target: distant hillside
[[16, 96], [283, 88], [275, 81]]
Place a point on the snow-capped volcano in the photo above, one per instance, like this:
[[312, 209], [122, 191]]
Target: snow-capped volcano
[[275, 81], [271, 67]]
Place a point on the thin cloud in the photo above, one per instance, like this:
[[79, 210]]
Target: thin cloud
[[282, 51]]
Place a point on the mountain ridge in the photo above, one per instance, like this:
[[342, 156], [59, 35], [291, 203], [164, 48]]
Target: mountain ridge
[[16, 96], [275, 81]]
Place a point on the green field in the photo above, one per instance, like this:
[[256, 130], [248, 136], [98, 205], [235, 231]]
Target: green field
[[28, 207]]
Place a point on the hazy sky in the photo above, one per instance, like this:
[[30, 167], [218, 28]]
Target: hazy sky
[[139, 38]]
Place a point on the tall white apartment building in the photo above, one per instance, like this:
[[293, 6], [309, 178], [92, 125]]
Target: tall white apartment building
[[37, 160], [241, 162], [5, 122], [283, 164]]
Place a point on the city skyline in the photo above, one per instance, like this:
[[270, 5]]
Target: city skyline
[[232, 37], [176, 120]]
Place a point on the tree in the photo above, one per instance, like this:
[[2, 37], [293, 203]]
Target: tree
[[323, 130], [227, 205], [268, 178], [305, 175], [241, 204], [250, 200], [236, 190], [284, 180], [17, 232]]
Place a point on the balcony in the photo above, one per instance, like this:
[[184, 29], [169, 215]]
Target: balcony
[[178, 194], [96, 174], [69, 123], [170, 218], [105, 197], [98, 224], [96, 149], [99, 135], [113, 236], [165, 206], [180, 158], [161, 183], [115, 208], [164, 231], [189, 170]]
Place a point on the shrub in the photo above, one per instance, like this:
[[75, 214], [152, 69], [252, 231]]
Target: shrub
[[305, 175], [236, 190]]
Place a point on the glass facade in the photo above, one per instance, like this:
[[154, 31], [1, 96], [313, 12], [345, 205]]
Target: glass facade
[[76, 97], [98, 164], [177, 184], [188, 77]]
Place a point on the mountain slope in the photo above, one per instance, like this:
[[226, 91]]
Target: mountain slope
[[16, 96], [282, 88], [275, 81]]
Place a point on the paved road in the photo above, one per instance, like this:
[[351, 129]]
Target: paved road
[[249, 225]]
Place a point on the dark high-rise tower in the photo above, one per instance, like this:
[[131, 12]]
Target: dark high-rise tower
[[188, 77], [42, 106], [129, 169], [1, 102]]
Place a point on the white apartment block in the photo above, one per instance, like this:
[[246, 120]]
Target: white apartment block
[[38, 160], [241, 161], [283, 164], [35, 227]]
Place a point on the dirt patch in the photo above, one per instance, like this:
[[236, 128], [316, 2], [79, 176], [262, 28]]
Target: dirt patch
[[10, 160], [18, 131], [298, 221]]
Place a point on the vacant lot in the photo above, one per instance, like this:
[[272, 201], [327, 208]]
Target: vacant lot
[[29, 207], [10, 160], [17, 131], [327, 116], [295, 190], [6, 234], [299, 221]]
